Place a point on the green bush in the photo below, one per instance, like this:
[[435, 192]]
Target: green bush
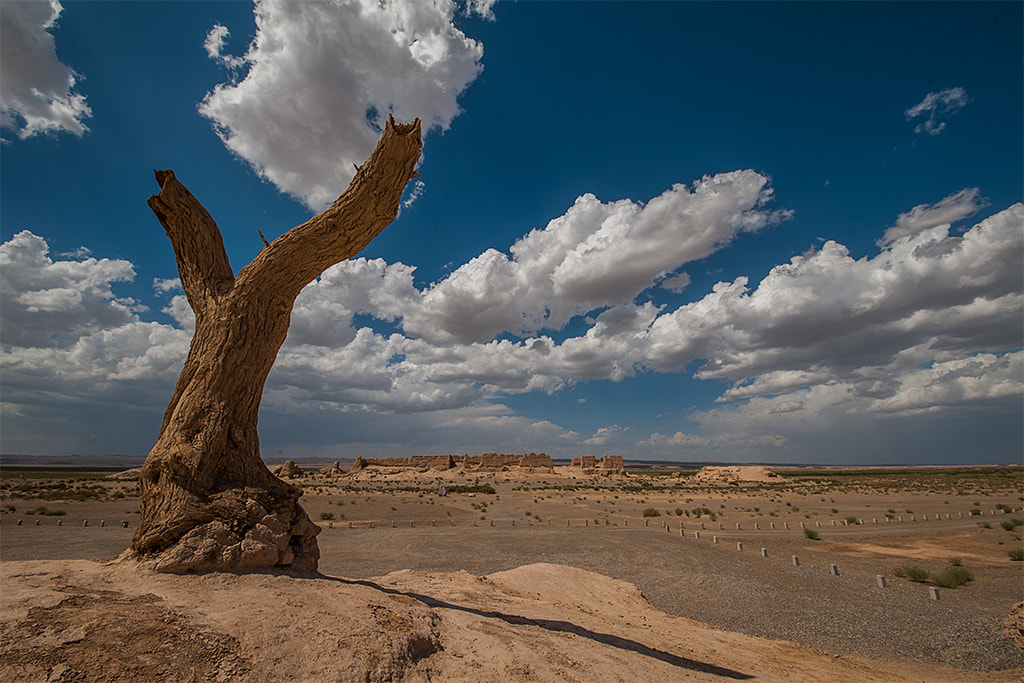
[[326, 515], [811, 534], [852, 520], [1016, 554], [1009, 526], [912, 572], [45, 511], [651, 512], [975, 512], [951, 577]]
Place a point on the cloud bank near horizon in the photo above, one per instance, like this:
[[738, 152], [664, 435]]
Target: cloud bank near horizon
[[927, 326]]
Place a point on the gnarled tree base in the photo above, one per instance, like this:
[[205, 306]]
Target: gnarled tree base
[[241, 534]]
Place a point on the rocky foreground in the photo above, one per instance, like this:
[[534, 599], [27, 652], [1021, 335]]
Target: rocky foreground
[[84, 620]]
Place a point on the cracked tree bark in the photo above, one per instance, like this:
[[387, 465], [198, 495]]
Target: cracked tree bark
[[208, 501]]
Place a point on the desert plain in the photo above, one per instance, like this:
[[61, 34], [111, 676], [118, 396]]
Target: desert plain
[[541, 575]]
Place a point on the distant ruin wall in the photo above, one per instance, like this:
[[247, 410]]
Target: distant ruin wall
[[488, 462], [604, 466]]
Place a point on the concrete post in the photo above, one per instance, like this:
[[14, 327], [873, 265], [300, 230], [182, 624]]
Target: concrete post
[[796, 561], [764, 552], [739, 546], [714, 539], [881, 581], [933, 592], [833, 569]]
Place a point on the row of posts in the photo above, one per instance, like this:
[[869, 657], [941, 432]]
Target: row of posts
[[586, 522]]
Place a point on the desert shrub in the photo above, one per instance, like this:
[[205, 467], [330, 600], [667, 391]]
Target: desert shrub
[[1009, 526], [811, 534], [951, 577], [835, 511], [852, 520], [984, 525], [912, 572], [326, 515], [651, 512], [956, 560], [1017, 522], [1016, 554], [975, 512], [45, 511], [679, 512]]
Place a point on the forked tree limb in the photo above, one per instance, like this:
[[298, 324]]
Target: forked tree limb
[[203, 264], [344, 229]]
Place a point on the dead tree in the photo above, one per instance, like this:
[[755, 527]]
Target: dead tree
[[208, 501]]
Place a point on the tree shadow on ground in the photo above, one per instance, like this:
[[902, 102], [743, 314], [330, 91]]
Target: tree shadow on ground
[[560, 627]]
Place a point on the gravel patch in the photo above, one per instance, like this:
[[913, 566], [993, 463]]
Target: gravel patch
[[719, 585]]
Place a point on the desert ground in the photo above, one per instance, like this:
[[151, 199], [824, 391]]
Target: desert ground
[[514, 576]]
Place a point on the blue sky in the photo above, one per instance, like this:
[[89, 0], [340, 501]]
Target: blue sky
[[775, 232]]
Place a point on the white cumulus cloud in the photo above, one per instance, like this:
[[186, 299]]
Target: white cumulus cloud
[[37, 91], [951, 209], [597, 254], [323, 76], [45, 302]]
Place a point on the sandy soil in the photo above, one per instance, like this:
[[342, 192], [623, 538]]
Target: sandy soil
[[82, 620], [547, 578]]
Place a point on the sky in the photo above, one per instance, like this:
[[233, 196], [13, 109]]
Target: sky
[[732, 232]]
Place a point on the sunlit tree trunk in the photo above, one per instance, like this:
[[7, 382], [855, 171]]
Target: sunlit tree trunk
[[208, 501]]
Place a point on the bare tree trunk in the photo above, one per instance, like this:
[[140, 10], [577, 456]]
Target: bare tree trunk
[[208, 501]]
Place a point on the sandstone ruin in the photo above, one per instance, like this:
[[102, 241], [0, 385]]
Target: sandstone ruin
[[731, 474], [530, 463], [605, 466]]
